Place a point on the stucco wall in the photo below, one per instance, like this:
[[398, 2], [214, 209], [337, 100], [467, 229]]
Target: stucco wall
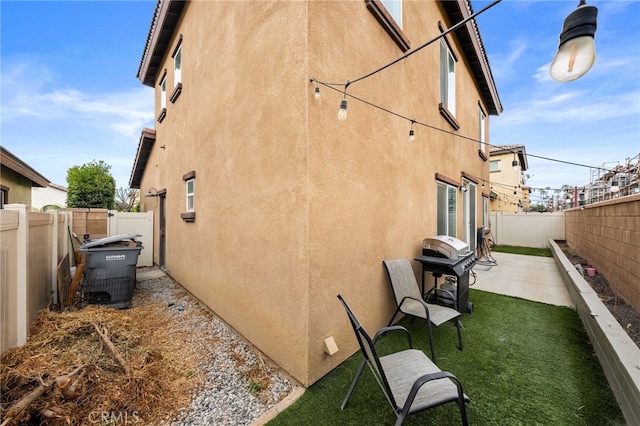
[[293, 206], [607, 234], [19, 187]]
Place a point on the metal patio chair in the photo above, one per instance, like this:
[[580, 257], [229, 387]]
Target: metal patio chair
[[410, 381], [409, 301]]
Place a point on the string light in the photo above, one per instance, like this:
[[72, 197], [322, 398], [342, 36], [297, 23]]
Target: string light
[[342, 112], [412, 135], [470, 139], [317, 92]]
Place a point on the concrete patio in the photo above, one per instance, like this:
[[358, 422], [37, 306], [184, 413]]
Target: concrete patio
[[528, 277]]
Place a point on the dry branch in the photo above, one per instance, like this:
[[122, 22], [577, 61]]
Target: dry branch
[[32, 396], [116, 354]]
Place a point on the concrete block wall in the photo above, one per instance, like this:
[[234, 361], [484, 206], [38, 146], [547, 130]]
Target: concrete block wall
[[607, 235], [617, 353]]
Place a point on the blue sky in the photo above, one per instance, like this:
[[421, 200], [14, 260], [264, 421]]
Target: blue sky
[[70, 92]]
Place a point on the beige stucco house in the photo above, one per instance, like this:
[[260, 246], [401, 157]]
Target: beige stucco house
[[16, 179], [268, 206], [509, 193]]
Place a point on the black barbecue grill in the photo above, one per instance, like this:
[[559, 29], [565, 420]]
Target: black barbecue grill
[[445, 255]]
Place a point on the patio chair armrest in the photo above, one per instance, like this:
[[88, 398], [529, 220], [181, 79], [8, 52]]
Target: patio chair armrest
[[420, 381], [421, 301], [385, 330]]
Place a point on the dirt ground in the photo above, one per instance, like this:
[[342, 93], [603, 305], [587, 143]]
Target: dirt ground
[[66, 374], [628, 316]]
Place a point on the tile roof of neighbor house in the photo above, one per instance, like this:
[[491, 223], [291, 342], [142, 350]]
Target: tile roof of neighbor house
[[167, 13], [59, 187], [519, 150], [10, 161]]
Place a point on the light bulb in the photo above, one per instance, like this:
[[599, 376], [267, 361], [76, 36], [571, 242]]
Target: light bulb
[[577, 51], [342, 112], [317, 93], [412, 135], [574, 59]]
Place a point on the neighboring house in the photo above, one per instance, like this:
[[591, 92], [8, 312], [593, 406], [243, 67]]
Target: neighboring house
[[17, 179], [52, 197], [267, 205], [508, 192]]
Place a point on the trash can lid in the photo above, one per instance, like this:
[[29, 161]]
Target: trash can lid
[[113, 239]]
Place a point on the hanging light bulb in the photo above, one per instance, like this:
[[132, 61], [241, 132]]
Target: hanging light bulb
[[412, 135], [342, 112], [317, 92], [576, 52]]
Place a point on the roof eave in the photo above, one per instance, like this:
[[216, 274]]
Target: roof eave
[[147, 139], [163, 24], [10, 161], [471, 42]]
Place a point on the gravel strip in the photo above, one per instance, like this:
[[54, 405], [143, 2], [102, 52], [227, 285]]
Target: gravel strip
[[235, 373]]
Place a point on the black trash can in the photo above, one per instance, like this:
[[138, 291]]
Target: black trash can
[[110, 270]]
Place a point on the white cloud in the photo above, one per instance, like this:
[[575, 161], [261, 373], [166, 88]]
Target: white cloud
[[53, 127], [518, 50]]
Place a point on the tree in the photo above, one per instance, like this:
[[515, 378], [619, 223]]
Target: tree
[[91, 185], [127, 200]]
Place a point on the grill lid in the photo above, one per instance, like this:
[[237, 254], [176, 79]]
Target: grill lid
[[450, 247]]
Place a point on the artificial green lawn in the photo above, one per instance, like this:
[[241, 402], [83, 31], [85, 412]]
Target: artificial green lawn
[[529, 251], [524, 363]]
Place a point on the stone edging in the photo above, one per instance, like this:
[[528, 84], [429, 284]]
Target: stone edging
[[617, 353]]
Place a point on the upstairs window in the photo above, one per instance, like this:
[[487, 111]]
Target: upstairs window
[[177, 71], [394, 7], [163, 92], [389, 14], [447, 209], [177, 67], [447, 78], [494, 166], [482, 124]]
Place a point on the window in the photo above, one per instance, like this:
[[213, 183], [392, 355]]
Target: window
[[447, 209], [481, 123], [177, 71], [163, 92], [447, 78], [494, 166], [485, 212], [394, 7], [163, 98], [190, 183], [4, 196], [177, 67], [389, 14], [190, 194]]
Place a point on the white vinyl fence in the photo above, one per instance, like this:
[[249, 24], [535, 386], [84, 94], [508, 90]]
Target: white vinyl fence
[[526, 229], [134, 223]]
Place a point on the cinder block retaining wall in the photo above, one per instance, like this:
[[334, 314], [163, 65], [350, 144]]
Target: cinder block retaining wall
[[617, 353], [607, 234]]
